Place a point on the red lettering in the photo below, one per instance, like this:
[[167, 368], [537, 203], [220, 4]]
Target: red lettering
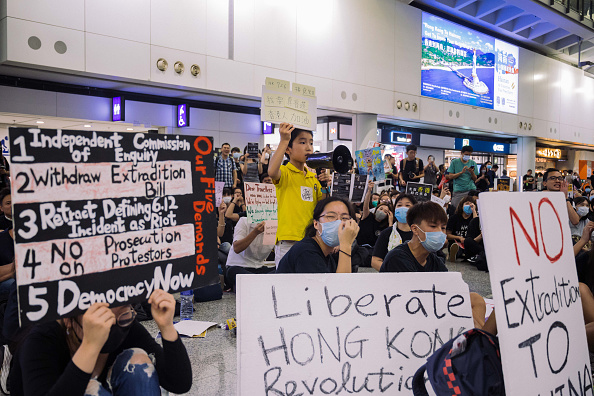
[[544, 247], [203, 139], [513, 215], [200, 270]]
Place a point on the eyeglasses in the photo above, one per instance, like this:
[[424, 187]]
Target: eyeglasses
[[125, 319], [555, 178], [331, 216]]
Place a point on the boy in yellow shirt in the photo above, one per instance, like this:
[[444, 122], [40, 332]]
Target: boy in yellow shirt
[[297, 189]]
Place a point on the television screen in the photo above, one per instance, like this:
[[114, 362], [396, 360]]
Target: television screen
[[461, 65]]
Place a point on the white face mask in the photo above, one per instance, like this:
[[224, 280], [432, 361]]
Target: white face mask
[[582, 211], [226, 199]]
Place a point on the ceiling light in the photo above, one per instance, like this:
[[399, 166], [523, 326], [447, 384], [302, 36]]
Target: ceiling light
[[129, 129], [87, 126], [40, 122]]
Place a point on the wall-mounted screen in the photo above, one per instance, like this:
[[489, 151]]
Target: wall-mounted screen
[[461, 65]]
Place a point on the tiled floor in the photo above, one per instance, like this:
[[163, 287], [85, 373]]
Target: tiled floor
[[214, 360]]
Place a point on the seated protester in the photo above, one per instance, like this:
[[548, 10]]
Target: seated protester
[[554, 181], [384, 198], [6, 208], [473, 243], [372, 224], [582, 208], [332, 226], [7, 270], [457, 226], [393, 195], [374, 201], [266, 179], [249, 252], [427, 221], [103, 352], [229, 224], [397, 234], [236, 207]]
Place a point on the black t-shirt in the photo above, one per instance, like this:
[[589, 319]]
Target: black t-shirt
[[458, 225], [369, 230], [6, 248], [306, 257], [43, 365], [401, 259], [230, 225], [583, 269], [411, 167], [381, 245], [5, 224], [474, 228], [528, 182]]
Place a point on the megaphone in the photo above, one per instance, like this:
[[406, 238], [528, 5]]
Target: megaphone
[[340, 160]]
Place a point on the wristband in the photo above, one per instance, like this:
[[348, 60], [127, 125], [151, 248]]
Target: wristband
[[343, 252]]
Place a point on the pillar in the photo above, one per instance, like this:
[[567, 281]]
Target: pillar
[[526, 157], [364, 130]]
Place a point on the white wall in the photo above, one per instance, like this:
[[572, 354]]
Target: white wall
[[362, 56]]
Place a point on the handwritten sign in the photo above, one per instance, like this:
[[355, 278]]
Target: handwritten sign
[[422, 192], [369, 162], [344, 333], [503, 184], [280, 104], [117, 217], [352, 187], [219, 186], [535, 289], [261, 204]]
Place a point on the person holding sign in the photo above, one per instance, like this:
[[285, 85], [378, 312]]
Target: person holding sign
[[103, 352], [397, 234], [333, 226], [427, 221], [297, 189], [463, 171]]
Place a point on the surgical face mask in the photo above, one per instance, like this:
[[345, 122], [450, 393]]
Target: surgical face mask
[[433, 240], [329, 233], [226, 199], [400, 214], [587, 190], [266, 155], [466, 158], [489, 166], [236, 155], [467, 209], [591, 197], [374, 203], [582, 211], [380, 215]]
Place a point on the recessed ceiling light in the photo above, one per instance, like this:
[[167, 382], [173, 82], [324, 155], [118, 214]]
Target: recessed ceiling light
[[40, 122], [129, 129], [87, 126]]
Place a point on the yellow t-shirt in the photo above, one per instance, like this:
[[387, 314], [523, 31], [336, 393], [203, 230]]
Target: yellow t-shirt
[[297, 195]]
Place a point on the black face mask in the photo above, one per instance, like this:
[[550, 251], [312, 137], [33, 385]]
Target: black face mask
[[117, 335]]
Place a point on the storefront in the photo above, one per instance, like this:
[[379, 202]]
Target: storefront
[[547, 157]]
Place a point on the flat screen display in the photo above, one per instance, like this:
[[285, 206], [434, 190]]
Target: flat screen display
[[461, 65]]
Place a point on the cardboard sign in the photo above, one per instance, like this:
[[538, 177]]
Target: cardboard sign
[[281, 104], [261, 204], [369, 162], [344, 333], [352, 187], [219, 186], [117, 217], [422, 192], [535, 288], [503, 185]]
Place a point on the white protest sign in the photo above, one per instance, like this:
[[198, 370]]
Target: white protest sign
[[260, 200], [219, 186], [344, 333], [281, 104], [535, 288]]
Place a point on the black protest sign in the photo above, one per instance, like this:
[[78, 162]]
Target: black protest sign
[[109, 217], [503, 184], [341, 185], [359, 187], [252, 150], [422, 192]]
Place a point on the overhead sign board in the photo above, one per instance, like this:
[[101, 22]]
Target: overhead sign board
[[483, 146]]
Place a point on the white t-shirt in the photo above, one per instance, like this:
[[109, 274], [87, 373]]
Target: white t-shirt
[[255, 254]]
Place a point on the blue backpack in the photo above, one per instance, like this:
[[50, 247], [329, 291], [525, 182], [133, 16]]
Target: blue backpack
[[467, 365]]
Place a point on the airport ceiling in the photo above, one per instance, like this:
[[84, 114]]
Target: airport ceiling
[[544, 25]]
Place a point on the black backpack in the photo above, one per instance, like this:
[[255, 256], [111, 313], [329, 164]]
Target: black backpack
[[469, 364]]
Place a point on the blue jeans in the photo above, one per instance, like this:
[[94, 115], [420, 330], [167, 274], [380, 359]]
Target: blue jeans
[[126, 378], [5, 288]]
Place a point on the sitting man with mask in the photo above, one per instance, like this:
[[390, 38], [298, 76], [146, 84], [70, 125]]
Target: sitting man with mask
[[427, 221]]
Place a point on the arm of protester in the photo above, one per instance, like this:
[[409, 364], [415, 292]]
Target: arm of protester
[[234, 178], [365, 213], [240, 245], [452, 237], [586, 235], [229, 213], [244, 167], [260, 169], [473, 173], [277, 158], [376, 262], [445, 190], [574, 218], [96, 324], [221, 224], [7, 271], [347, 232], [474, 213], [325, 177]]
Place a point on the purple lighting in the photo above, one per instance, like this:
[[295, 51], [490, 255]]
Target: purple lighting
[[183, 117]]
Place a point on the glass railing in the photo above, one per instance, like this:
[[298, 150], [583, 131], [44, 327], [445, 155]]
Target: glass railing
[[584, 8]]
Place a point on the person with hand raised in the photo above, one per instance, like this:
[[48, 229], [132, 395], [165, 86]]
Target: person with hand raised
[[103, 352]]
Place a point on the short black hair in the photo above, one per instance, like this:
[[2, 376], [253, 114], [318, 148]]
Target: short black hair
[[5, 192], [549, 170], [227, 191], [428, 211], [412, 147], [460, 206], [467, 149], [235, 150], [310, 231], [225, 144], [529, 170], [402, 196], [580, 200], [264, 176], [495, 166], [296, 132]]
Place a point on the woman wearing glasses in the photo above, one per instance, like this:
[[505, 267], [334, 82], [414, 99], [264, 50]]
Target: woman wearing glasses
[[103, 352], [333, 226]]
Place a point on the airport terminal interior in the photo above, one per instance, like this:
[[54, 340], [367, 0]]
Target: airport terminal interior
[[184, 184]]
